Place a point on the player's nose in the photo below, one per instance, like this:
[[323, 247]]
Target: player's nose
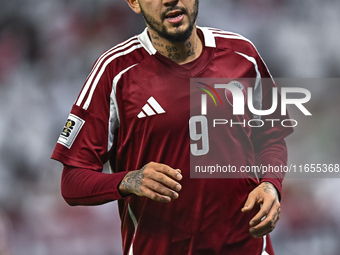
[[170, 2]]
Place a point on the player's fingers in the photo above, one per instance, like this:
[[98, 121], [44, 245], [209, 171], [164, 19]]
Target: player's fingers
[[250, 202], [163, 179], [268, 224], [160, 189], [265, 209], [169, 171], [149, 193]]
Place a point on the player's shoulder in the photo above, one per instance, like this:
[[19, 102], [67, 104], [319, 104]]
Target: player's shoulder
[[121, 56], [232, 41]]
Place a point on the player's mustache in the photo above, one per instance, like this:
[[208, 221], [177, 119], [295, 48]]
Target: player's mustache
[[173, 8]]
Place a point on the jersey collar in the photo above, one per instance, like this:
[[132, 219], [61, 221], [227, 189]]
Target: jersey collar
[[144, 39]]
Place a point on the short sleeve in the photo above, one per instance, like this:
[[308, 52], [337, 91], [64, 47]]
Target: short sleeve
[[87, 136]]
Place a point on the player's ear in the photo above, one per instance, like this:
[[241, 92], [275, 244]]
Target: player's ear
[[134, 5]]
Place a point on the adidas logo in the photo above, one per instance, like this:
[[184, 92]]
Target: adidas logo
[[151, 108]]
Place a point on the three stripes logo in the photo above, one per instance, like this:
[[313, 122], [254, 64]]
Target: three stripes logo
[[151, 108]]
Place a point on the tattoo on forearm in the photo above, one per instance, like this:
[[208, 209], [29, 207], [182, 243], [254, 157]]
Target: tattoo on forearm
[[133, 180]]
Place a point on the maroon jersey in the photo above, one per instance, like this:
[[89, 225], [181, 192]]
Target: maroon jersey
[[135, 108]]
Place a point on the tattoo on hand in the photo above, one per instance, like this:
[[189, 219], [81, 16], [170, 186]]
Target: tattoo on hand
[[133, 180], [269, 189]]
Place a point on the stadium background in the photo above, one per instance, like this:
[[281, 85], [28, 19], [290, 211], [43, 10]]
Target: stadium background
[[47, 49]]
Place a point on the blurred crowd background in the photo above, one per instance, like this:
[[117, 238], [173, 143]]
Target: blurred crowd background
[[47, 49]]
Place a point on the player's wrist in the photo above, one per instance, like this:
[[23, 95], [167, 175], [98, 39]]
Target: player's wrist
[[123, 188]]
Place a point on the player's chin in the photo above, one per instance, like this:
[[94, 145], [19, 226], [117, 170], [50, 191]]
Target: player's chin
[[180, 34], [173, 29]]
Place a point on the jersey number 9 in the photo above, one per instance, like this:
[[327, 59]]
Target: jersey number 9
[[199, 123]]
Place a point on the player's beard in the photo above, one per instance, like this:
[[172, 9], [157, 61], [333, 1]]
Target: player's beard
[[162, 31]]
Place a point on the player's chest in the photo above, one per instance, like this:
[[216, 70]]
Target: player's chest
[[154, 102]]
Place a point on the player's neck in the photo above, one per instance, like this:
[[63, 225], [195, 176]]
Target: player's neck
[[181, 53]]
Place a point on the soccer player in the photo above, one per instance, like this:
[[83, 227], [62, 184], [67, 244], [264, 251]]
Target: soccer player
[[134, 111]]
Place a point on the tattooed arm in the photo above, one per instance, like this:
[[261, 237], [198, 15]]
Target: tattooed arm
[[81, 186], [267, 195], [155, 181]]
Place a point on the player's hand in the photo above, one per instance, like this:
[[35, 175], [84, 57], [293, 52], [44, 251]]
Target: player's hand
[[155, 181], [265, 194]]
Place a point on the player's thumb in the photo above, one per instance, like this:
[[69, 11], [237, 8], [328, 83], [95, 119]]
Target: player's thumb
[[249, 204]]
